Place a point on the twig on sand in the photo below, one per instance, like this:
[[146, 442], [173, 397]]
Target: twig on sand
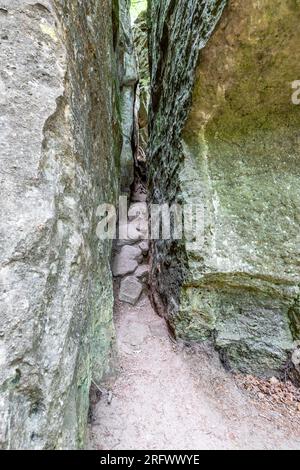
[[106, 393]]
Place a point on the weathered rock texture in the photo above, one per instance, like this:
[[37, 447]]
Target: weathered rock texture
[[130, 290], [140, 34], [129, 83], [60, 158], [236, 151]]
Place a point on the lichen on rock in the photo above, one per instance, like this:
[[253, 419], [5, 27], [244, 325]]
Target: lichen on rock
[[129, 74], [236, 151]]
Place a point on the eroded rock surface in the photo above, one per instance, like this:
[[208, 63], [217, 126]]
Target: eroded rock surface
[[142, 272], [130, 264], [128, 97], [130, 290], [127, 260], [236, 152], [60, 158]]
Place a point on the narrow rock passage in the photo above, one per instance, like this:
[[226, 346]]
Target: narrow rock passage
[[168, 396]]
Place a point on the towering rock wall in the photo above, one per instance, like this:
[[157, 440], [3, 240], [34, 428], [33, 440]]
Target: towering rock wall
[[140, 32], [60, 157], [224, 133], [129, 76]]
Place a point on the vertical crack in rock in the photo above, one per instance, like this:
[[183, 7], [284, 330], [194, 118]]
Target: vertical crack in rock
[[128, 96], [223, 133]]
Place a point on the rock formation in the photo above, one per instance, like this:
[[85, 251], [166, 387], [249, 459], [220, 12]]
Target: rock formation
[[61, 142], [140, 34], [128, 98], [225, 133], [130, 265], [224, 136]]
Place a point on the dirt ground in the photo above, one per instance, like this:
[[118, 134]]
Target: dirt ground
[[171, 397]]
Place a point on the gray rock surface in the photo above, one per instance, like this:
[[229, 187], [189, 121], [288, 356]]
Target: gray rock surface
[[134, 232], [224, 134], [130, 290], [127, 260], [142, 272], [139, 196], [129, 81], [144, 246], [60, 154], [138, 210], [131, 233], [138, 220]]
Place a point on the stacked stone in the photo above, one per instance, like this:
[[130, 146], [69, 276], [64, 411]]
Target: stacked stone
[[131, 259]]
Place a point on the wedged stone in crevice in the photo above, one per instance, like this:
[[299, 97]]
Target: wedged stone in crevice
[[138, 210], [127, 260], [130, 290], [60, 115], [140, 34], [130, 255], [224, 134], [131, 232], [142, 272], [144, 246], [139, 195]]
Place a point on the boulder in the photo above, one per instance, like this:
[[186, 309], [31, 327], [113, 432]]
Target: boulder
[[142, 272], [138, 211], [60, 153]]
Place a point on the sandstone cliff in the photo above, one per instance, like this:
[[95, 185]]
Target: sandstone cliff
[[60, 157], [225, 133]]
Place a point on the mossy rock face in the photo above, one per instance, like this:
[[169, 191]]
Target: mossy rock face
[[240, 157]]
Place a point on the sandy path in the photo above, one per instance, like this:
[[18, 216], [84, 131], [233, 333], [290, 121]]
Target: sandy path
[[169, 397]]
